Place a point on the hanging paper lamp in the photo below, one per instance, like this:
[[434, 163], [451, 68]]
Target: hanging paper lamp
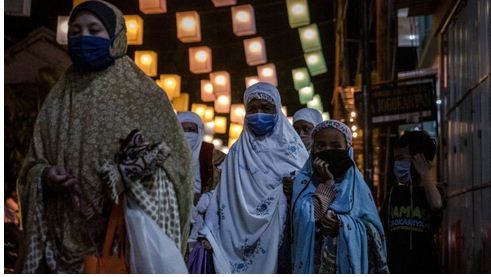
[[62, 30], [188, 26], [134, 29], [181, 103], [310, 38], [200, 60], [220, 124], [221, 82], [267, 73], [153, 6], [251, 80], [298, 13], [301, 77], [207, 94], [222, 3], [147, 62], [237, 113], [243, 20], [306, 94], [316, 63], [222, 104], [255, 51], [171, 84]]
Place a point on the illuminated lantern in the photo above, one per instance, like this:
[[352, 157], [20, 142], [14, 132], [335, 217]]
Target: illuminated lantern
[[309, 37], [222, 3], [207, 94], [298, 13], [243, 20], [251, 80], [316, 63], [221, 82], [235, 130], [209, 114], [199, 109], [255, 51], [220, 124], [200, 59], [171, 84], [153, 6], [147, 62], [134, 29], [231, 141], [284, 110], [188, 26], [181, 103], [267, 73], [222, 104], [326, 116], [306, 94], [62, 30], [210, 127], [217, 142], [237, 113], [77, 2], [208, 138], [316, 103], [301, 77]]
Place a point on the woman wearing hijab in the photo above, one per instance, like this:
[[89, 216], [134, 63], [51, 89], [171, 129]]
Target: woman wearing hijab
[[304, 121], [71, 176], [245, 220], [336, 227]]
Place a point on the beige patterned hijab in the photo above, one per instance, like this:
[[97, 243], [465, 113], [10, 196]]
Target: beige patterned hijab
[[80, 126]]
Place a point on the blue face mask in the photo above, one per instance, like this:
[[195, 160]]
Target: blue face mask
[[402, 171], [90, 53], [261, 123]]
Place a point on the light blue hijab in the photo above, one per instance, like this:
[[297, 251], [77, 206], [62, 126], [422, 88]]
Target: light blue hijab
[[354, 206]]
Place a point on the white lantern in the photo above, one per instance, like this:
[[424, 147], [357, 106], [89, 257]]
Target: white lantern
[[243, 20], [207, 94], [62, 30], [251, 80], [153, 6], [267, 74], [147, 62], [237, 113], [222, 3], [200, 59], [221, 83], [222, 104], [188, 26], [255, 51]]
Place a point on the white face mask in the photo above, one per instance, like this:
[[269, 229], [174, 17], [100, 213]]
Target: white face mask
[[192, 138]]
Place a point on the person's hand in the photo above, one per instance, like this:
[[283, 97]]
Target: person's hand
[[330, 224], [62, 179], [422, 166], [206, 244], [288, 187], [323, 175]]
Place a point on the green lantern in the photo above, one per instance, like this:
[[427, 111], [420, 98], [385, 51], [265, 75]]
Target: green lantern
[[298, 13], [301, 77], [306, 94], [316, 63], [309, 37], [316, 103]]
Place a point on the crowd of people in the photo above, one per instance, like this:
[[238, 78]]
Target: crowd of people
[[285, 199]]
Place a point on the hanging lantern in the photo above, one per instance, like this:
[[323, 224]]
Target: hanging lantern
[[222, 104], [222, 3], [207, 94], [231, 141], [306, 94], [316, 63], [147, 62], [316, 103], [220, 124], [181, 102], [209, 114], [134, 29], [217, 143], [301, 77], [199, 109], [237, 113], [235, 130], [267, 73], [62, 30], [310, 39], [221, 82], [188, 26], [200, 59], [255, 51], [171, 84], [298, 13], [153, 6], [210, 127], [251, 80], [243, 20], [284, 109]]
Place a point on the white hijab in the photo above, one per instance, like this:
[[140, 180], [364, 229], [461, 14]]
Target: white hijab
[[196, 147], [247, 213]]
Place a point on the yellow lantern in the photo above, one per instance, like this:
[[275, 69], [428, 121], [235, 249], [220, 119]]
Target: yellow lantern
[[221, 82], [243, 20], [222, 104], [153, 6], [181, 103], [209, 114], [251, 80], [134, 29], [207, 94], [237, 113], [188, 26], [235, 130], [217, 142], [231, 141], [267, 73], [255, 51], [199, 109], [62, 30], [222, 3], [220, 124], [171, 84], [200, 59], [147, 62]]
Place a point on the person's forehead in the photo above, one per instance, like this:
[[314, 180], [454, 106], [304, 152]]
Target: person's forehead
[[302, 123], [259, 102], [86, 17], [330, 134]]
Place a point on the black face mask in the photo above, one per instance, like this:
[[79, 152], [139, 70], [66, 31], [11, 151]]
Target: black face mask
[[338, 159]]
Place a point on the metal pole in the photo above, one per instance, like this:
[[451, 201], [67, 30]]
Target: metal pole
[[366, 85]]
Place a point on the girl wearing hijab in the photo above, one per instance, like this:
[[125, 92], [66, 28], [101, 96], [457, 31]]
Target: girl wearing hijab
[[304, 121], [246, 217], [336, 227], [104, 128]]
